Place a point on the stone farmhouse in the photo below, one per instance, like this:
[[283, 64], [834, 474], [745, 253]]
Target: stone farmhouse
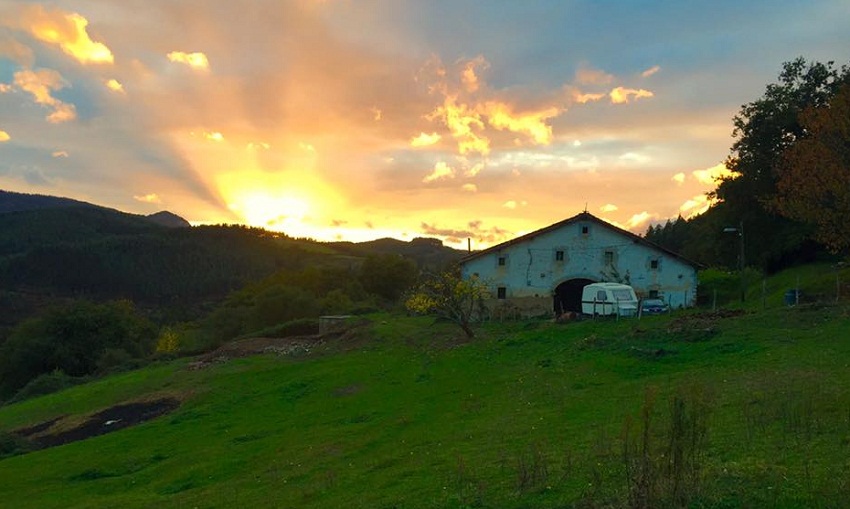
[[544, 272]]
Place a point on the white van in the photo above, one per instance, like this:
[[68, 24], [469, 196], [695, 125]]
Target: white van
[[609, 299]]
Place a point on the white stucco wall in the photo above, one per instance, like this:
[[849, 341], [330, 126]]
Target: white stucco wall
[[531, 268]]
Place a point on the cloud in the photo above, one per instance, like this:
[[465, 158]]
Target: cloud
[[4, 136], [638, 220], [474, 231], [40, 84], [214, 136], [679, 178], [59, 153], [609, 207], [15, 51], [634, 157], [510, 204], [306, 147], [583, 98], [65, 29], [196, 60], [257, 145], [710, 176], [148, 198], [470, 188], [469, 77], [533, 124], [115, 86], [424, 140], [463, 122], [621, 95], [652, 70], [695, 206], [590, 76], [441, 171]]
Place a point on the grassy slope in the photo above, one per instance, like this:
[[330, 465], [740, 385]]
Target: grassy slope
[[408, 422]]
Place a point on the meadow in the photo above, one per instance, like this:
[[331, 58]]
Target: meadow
[[745, 407]]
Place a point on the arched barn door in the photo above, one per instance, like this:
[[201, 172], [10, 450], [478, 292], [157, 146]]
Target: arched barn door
[[568, 295]]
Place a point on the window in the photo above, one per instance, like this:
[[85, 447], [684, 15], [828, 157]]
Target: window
[[653, 294], [585, 229], [609, 257], [653, 264], [502, 292], [559, 256], [601, 296], [503, 260]]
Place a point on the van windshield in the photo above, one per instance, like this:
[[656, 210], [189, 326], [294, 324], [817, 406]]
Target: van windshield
[[622, 294]]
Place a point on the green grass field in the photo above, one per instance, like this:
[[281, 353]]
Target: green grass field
[[692, 409]]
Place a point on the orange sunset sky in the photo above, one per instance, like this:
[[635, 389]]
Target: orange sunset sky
[[354, 120]]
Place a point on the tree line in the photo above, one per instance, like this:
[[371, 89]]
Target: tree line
[[790, 186]]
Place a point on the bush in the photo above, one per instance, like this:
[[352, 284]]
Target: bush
[[46, 383], [300, 327], [79, 339]]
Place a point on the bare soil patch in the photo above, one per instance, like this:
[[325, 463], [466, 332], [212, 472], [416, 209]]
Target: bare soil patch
[[61, 430], [353, 336]]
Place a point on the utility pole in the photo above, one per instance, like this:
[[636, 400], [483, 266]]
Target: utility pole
[[741, 262]]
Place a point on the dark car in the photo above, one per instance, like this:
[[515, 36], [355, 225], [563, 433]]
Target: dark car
[[653, 307]]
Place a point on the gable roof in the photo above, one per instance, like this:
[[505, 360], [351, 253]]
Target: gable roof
[[584, 216]]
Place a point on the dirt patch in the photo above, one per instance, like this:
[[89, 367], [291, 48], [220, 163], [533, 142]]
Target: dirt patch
[[354, 336], [700, 326], [60, 431]]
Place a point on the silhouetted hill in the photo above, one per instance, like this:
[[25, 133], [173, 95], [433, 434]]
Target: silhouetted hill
[[17, 202], [169, 219], [428, 253]]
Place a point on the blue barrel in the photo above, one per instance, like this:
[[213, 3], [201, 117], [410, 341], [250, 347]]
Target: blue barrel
[[791, 297]]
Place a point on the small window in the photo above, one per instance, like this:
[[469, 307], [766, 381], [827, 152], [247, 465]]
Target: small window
[[559, 256], [503, 261], [653, 294], [601, 296], [609, 257], [653, 264], [585, 230], [502, 292]]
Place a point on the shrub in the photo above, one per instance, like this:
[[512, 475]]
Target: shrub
[[46, 383]]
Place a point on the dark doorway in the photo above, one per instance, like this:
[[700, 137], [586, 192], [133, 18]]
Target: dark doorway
[[568, 295]]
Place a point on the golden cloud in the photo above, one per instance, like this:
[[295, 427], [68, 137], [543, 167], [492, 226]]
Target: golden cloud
[[40, 84], [424, 140], [470, 188], [4, 88], [468, 75], [652, 70], [306, 147], [610, 207], [621, 95], [59, 153], [695, 206], [214, 136], [148, 198], [258, 145], [500, 116], [710, 176], [679, 178], [582, 98], [638, 220], [65, 29], [115, 86], [196, 60], [462, 122], [441, 171], [4, 136]]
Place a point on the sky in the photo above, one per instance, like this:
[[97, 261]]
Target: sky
[[361, 119]]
